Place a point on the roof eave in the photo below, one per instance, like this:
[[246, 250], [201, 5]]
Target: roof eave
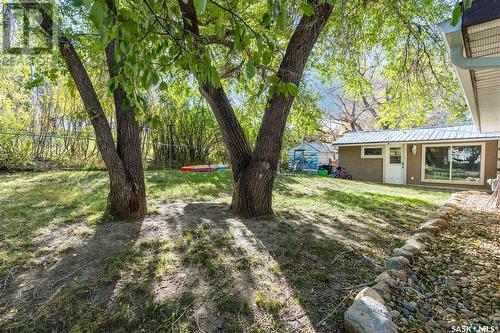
[[452, 35], [416, 142], [465, 68]]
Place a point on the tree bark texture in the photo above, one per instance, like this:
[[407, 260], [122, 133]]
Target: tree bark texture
[[128, 136], [124, 174], [254, 171]]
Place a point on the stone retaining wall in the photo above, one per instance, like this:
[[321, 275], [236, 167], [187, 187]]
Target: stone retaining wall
[[368, 313]]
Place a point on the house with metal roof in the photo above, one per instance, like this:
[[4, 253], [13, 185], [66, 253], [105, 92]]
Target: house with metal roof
[[474, 47], [446, 156], [309, 156]]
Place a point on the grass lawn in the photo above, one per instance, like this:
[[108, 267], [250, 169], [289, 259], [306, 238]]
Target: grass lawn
[[191, 265]]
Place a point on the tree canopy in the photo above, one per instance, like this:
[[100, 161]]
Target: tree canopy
[[137, 65]]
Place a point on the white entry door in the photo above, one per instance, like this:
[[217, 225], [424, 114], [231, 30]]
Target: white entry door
[[395, 164]]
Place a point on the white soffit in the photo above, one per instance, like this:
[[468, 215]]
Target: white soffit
[[483, 40]]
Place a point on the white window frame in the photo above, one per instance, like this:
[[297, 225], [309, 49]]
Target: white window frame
[[372, 156], [451, 145]]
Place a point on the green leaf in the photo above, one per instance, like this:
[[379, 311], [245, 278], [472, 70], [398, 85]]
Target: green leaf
[[163, 86], [128, 29], [266, 21], [467, 4], [266, 58], [219, 27], [155, 122], [292, 88], [456, 15], [77, 3], [112, 84], [307, 9], [282, 19], [154, 78], [250, 69], [200, 6], [98, 13], [123, 48]]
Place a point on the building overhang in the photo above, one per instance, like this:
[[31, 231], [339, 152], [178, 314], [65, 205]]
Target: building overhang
[[474, 47]]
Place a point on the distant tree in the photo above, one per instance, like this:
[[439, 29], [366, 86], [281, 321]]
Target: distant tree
[[391, 53]]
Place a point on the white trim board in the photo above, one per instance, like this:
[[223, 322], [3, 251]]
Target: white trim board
[[363, 156]]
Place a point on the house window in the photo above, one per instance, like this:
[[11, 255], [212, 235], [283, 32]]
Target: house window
[[371, 152], [453, 163], [395, 155]]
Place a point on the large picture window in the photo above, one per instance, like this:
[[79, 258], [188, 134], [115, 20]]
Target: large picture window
[[453, 163]]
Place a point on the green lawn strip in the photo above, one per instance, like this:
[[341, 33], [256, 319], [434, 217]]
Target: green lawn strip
[[36, 202]]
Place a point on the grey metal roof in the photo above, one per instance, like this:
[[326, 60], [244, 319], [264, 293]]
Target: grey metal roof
[[320, 147], [418, 134]]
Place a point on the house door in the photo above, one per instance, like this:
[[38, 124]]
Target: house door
[[395, 164], [298, 160]]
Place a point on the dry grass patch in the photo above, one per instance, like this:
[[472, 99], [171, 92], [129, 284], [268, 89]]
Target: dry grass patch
[[191, 265]]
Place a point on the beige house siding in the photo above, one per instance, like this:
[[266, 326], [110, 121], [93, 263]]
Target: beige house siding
[[370, 169], [324, 158], [361, 169]]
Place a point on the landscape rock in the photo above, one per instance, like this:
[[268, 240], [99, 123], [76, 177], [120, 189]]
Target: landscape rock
[[414, 246], [441, 223], [385, 277], [366, 315], [410, 306], [369, 292], [383, 289], [453, 279], [397, 274], [397, 263], [429, 228], [399, 252], [424, 236], [394, 314], [437, 215], [451, 204]]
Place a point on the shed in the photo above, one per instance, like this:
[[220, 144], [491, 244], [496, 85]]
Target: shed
[[309, 156]]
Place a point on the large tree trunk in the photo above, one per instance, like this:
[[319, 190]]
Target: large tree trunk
[[124, 174], [254, 179], [251, 191], [254, 172], [128, 135]]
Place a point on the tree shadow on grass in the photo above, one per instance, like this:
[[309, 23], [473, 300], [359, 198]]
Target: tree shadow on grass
[[399, 211], [68, 264], [196, 267], [179, 271], [39, 203]]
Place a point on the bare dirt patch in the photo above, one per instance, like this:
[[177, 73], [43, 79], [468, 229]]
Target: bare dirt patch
[[196, 267]]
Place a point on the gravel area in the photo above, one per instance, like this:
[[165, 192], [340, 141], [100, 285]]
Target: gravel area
[[455, 282]]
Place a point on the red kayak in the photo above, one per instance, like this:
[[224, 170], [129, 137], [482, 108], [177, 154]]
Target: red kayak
[[202, 168]]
